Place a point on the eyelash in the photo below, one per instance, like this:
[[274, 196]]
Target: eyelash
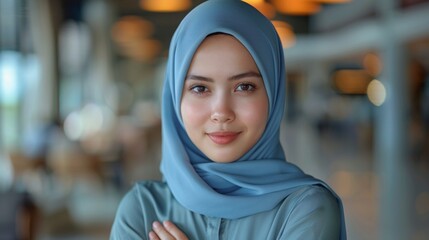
[[196, 89], [249, 85]]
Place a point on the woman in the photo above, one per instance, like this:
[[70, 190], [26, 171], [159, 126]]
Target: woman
[[225, 174]]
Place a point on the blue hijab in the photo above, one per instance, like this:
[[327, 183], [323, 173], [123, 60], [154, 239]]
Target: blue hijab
[[261, 178]]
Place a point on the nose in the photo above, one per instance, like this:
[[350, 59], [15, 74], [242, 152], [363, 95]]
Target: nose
[[222, 110]]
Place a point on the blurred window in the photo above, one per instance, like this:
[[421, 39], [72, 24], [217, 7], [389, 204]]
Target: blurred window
[[14, 68], [9, 85]]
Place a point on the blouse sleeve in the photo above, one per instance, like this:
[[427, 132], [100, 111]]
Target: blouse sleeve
[[129, 223], [315, 216]]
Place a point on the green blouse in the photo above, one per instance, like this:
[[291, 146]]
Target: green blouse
[[309, 213]]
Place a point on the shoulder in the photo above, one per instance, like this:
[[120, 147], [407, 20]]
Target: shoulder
[[316, 195], [144, 193], [313, 211], [150, 197], [150, 189]]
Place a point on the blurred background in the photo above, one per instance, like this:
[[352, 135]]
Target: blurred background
[[80, 84]]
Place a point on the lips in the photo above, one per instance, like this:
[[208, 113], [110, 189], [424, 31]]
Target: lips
[[223, 138]]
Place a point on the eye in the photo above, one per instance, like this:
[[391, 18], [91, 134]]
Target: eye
[[245, 87], [198, 89]]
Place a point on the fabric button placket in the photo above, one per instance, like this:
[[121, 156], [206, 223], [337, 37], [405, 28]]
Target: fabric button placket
[[213, 228]]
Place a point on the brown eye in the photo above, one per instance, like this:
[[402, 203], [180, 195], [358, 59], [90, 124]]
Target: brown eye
[[199, 89], [245, 87]]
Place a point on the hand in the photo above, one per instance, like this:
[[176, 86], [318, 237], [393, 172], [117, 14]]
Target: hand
[[166, 231]]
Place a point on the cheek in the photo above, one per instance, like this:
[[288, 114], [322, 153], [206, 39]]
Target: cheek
[[255, 113], [193, 113]]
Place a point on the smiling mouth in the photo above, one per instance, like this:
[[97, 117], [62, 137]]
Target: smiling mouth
[[223, 138]]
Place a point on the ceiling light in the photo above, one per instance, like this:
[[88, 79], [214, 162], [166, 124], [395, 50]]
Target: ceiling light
[[165, 5], [297, 7]]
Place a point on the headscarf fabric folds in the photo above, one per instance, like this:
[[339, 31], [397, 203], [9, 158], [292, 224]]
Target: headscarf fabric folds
[[262, 177]]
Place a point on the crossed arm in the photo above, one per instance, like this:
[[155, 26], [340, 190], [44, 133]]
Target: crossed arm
[[311, 213]]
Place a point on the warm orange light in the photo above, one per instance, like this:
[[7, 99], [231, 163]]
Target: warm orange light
[[297, 7], [372, 64], [144, 50], [132, 35], [129, 28], [165, 5], [351, 81], [265, 8], [287, 37], [252, 2]]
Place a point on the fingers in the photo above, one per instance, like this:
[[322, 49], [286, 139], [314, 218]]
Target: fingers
[[166, 231], [174, 230], [159, 232], [153, 236]]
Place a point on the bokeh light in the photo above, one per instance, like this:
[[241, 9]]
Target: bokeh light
[[376, 92], [285, 32], [372, 64], [264, 7], [165, 5]]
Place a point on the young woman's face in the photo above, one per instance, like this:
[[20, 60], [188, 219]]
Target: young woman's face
[[224, 104]]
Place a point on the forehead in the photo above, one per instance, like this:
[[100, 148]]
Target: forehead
[[221, 39], [222, 51]]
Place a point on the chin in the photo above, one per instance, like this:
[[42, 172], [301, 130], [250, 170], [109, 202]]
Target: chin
[[220, 159], [223, 160]]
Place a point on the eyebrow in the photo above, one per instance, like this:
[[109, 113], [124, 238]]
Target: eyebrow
[[232, 78]]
